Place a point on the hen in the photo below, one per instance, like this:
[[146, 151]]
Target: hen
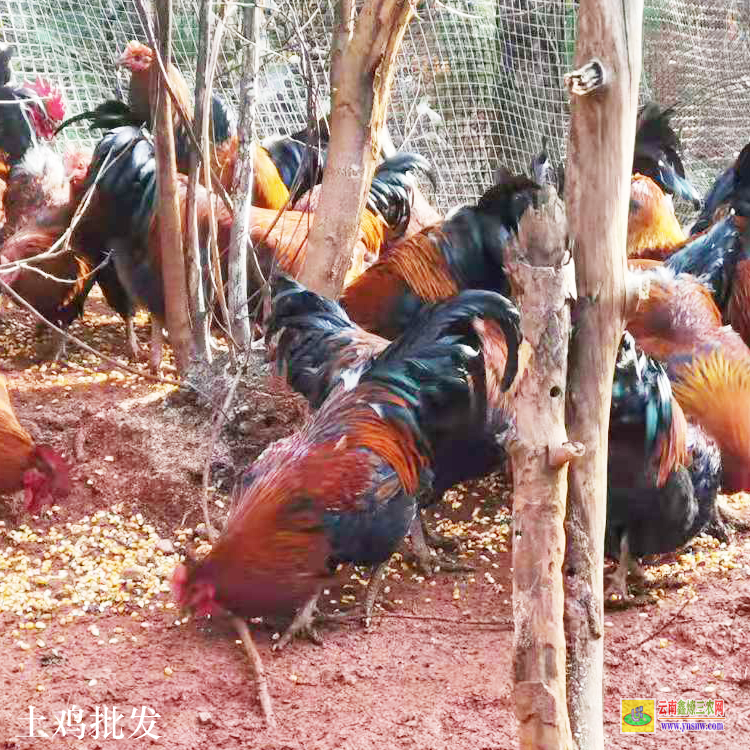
[[38, 470], [342, 489]]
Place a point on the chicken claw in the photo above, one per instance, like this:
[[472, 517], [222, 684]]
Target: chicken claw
[[421, 537], [302, 623]]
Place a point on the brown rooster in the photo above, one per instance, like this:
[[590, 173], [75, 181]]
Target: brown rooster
[[143, 66], [38, 470], [679, 324], [342, 489], [320, 349], [466, 251]]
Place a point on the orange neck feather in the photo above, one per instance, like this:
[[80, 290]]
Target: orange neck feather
[[653, 229]]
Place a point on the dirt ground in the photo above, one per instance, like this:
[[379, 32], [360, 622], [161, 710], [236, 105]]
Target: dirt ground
[[86, 618]]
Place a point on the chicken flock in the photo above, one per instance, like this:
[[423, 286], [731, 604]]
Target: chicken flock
[[411, 375]]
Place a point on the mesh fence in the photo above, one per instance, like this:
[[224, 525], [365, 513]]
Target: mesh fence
[[478, 82]]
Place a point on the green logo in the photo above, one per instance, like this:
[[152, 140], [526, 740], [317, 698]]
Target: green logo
[[636, 717]]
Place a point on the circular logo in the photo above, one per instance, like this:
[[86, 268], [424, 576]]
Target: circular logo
[[639, 720]]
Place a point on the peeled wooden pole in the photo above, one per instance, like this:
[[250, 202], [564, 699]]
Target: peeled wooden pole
[[242, 187], [170, 224], [542, 280], [604, 90], [362, 78]]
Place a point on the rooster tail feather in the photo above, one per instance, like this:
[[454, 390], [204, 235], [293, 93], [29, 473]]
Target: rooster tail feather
[[431, 360], [106, 116], [709, 389]]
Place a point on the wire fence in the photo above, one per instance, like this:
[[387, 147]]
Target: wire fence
[[478, 82]]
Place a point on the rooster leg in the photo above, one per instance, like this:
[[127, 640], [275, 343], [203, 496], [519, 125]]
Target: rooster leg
[[60, 343], [437, 540], [302, 623], [636, 571], [618, 584], [157, 344], [423, 556], [725, 517], [373, 589], [421, 551], [133, 345]]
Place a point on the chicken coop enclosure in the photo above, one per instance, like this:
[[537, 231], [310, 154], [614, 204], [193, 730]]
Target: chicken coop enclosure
[[478, 82]]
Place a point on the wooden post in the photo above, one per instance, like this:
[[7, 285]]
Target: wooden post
[[597, 190], [170, 223], [362, 79], [542, 281], [196, 296], [242, 189]]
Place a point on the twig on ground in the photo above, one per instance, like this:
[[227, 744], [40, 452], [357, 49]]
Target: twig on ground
[[256, 666], [665, 624]]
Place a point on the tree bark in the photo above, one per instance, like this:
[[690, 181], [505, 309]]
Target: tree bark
[[597, 189], [196, 296], [242, 189], [543, 287], [361, 85], [170, 224]]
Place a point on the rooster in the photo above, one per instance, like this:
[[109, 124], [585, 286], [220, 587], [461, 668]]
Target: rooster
[[38, 470], [657, 153], [466, 251], [36, 110], [38, 181], [117, 232], [678, 323], [143, 66], [730, 185], [658, 174], [342, 489], [663, 474], [320, 349], [60, 286]]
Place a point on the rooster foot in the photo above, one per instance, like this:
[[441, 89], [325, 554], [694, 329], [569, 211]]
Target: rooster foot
[[439, 541], [726, 517], [302, 624], [422, 555]]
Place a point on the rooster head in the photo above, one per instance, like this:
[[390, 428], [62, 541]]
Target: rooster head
[[136, 58], [48, 479], [51, 110], [191, 593]]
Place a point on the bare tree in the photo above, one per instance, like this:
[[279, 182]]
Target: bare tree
[[170, 223], [597, 189], [362, 67], [542, 277]]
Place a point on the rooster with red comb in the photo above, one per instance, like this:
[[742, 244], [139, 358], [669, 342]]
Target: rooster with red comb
[[40, 110]]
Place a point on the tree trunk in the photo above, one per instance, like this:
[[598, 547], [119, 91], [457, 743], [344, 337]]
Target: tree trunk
[[361, 86], [196, 296], [597, 189], [170, 224], [242, 189], [543, 287]]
